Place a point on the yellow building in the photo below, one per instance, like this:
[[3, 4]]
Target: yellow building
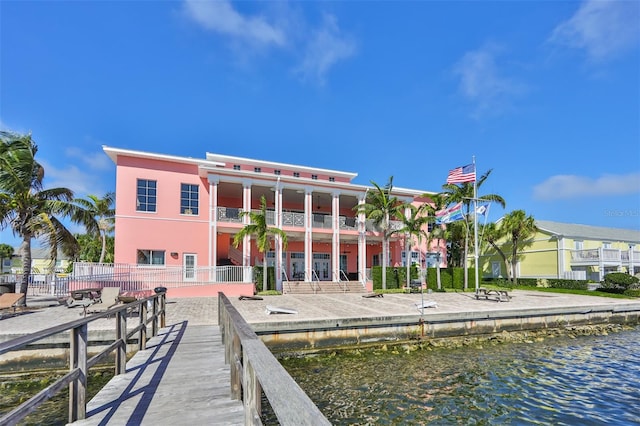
[[41, 261], [570, 251]]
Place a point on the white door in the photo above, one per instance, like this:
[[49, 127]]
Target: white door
[[189, 267], [297, 269], [495, 269], [322, 269]]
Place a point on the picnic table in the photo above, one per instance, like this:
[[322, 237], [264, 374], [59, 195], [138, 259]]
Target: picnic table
[[491, 294]]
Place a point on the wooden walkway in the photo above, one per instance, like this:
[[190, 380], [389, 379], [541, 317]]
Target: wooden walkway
[[181, 378]]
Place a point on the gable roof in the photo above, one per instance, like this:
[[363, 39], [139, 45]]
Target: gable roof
[[588, 232]]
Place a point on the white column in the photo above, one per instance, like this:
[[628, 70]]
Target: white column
[[278, 241], [335, 240], [308, 234], [246, 206], [600, 264], [213, 221], [362, 243], [561, 261]]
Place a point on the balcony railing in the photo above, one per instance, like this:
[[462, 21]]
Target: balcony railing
[[290, 219], [605, 255]]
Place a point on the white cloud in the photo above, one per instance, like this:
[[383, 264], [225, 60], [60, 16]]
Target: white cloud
[[571, 186], [221, 17], [482, 83], [325, 48], [280, 27], [85, 175], [604, 29], [96, 161]]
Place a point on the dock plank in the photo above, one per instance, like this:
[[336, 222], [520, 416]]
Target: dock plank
[[181, 378]]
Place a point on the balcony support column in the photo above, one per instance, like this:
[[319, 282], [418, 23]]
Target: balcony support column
[[246, 207], [335, 243], [278, 241], [308, 234], [362, 243]]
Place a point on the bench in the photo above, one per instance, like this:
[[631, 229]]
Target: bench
[[497, 295]]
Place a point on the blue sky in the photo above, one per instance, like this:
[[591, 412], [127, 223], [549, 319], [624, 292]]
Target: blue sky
[[544, 93]]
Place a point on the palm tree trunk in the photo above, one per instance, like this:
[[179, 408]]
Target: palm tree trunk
[[384, 263], [514, 261], [25, 250], [103, 236], [264, 273], [439, 281], [408, 245]]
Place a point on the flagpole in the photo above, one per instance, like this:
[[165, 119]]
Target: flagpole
[[475, 221]]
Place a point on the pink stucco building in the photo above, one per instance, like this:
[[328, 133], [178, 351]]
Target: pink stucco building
[[181, 212]]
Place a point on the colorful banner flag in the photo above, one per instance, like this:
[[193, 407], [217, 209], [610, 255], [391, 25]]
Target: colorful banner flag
[[462, 174], [448, 215]]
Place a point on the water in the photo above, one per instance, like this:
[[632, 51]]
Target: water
[[560, 381]]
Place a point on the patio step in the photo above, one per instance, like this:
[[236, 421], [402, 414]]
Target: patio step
[[322, 287]]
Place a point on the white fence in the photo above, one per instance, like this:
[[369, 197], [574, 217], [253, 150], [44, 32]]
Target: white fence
[[130, 278]]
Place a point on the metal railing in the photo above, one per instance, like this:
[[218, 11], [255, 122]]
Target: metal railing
[[137, 278], [293, 219], [79, 363], [605, 255], [254, 371]]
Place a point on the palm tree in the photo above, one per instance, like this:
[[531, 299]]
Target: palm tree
[[381, 207], [438, 232], [257, 227], [519, 227], [413, 226], [27, 207], [98, 217], [6, 251], [492, 234], [465, 193]]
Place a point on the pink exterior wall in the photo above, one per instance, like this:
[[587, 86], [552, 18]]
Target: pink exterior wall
[[166, 229]]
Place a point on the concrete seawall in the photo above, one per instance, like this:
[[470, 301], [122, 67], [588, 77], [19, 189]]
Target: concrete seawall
[[337, 320]]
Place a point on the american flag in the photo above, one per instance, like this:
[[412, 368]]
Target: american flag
[[462, 174]]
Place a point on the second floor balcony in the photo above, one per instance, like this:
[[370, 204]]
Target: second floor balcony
[[296, 219], [605, 256]]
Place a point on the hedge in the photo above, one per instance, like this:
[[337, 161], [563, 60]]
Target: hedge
[[396, 276], [451, 278]]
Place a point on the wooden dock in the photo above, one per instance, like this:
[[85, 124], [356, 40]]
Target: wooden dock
[[180, 378]]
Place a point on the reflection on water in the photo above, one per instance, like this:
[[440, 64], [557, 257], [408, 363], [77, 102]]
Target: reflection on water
[[561, 381]]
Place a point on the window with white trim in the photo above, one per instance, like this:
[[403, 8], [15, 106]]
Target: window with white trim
[[150, 257], [146, 195], [188, 198]]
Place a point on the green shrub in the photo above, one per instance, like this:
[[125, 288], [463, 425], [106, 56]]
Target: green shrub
[[528, 282], [568, 284], [619, 280], [635, 292], [257, 278], [396, 276], [452, 278]]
